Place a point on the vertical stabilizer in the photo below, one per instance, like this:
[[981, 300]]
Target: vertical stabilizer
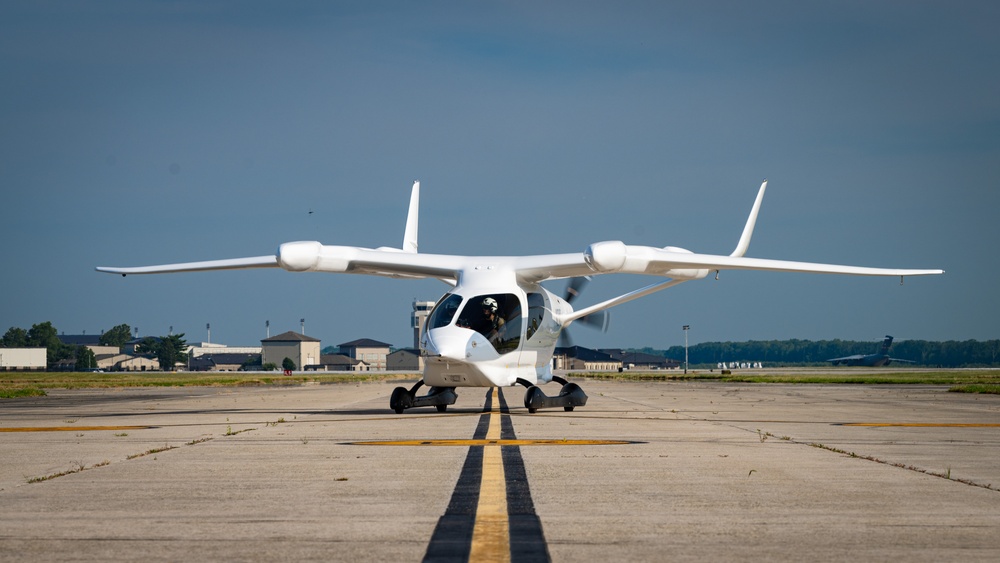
[[741, 248], [410, 234], [886, 344]]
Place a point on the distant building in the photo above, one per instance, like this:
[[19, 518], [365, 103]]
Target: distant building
[[109, 362], [421, 309], [640, 360], [371, 352], [137, 363], [22, 359], [222, 362], [338, 362], [303, 350], [578, 357], [407, 359]]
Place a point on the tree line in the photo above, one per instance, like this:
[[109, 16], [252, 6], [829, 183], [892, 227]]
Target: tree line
[[168, 350], [947, 354]]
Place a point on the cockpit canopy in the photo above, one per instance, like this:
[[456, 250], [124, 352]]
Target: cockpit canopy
[[497, 316]]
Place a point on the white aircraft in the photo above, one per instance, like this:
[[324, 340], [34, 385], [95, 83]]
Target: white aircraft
[[497, 326]]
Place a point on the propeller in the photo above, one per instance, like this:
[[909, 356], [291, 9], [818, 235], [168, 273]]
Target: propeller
[[599, 320], [574, 287]]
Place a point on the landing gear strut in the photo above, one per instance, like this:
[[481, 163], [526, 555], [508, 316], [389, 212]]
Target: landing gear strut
[[570, 396], [440, 397]]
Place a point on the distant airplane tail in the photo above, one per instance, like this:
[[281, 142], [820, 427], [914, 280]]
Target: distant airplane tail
[[886, 344]]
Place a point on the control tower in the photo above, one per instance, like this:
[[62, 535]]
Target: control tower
[[417, 319]]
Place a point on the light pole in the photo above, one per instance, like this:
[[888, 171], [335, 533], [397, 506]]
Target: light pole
[[302, 322], [208, 327], [686, 328], [267, 327]]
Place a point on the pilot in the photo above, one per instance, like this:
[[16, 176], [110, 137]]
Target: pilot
[[492, 324]]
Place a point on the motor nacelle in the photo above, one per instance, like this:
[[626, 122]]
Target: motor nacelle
[[606, 256], [311, 256]]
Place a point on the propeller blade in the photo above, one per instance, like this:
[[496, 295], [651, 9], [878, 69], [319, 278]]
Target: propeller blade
[[565, 341], [575, 286], [599, 320]]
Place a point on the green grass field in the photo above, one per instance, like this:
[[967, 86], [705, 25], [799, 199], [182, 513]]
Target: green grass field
[[28, 384]]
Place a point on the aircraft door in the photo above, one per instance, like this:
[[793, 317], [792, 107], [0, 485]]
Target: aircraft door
[[498, 317], [541, 331]]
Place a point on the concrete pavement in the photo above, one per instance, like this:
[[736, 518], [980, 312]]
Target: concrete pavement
[[711, 471]]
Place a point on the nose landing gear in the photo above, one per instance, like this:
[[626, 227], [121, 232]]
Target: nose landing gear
[[569, 397], [440, 397]]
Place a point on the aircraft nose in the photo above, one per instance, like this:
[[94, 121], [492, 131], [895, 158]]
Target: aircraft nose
[[448, 342]]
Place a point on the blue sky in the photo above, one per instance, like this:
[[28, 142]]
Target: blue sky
[[136, 133]]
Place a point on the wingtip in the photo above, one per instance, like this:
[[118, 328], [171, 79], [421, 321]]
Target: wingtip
[[744, 243]]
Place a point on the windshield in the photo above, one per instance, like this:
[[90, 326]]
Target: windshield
[[444, 311], [497, 316]]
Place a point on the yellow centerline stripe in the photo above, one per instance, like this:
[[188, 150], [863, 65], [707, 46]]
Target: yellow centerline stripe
[[491, 532]]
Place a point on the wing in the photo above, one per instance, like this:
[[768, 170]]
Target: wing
[[599, 258], [617, 257], [315, 257], [846, 358], [680, 264], [231, 264]]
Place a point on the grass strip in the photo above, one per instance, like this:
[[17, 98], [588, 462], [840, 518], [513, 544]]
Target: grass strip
[[11, 393], [969, 381], [33, 383]]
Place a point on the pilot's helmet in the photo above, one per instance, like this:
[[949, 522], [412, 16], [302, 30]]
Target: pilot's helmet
[[491, 304]]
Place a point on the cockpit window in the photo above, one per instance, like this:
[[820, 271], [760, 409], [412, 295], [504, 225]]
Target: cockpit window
[[497, 316], [536, 313], [444, 311]]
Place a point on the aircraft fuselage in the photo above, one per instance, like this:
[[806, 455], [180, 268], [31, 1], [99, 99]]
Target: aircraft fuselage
[[487, 333]]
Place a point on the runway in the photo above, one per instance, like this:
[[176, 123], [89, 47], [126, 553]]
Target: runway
[[644, 472]]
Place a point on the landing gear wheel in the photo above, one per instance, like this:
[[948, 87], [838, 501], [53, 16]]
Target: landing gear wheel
[[400, 400], [570, 397], [403, 398]]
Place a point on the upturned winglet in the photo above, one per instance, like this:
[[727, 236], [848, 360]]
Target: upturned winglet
[[410, 234], [744, 243]]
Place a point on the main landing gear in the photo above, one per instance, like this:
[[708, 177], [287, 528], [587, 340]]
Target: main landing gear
[[570, 396], [440, 397]]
